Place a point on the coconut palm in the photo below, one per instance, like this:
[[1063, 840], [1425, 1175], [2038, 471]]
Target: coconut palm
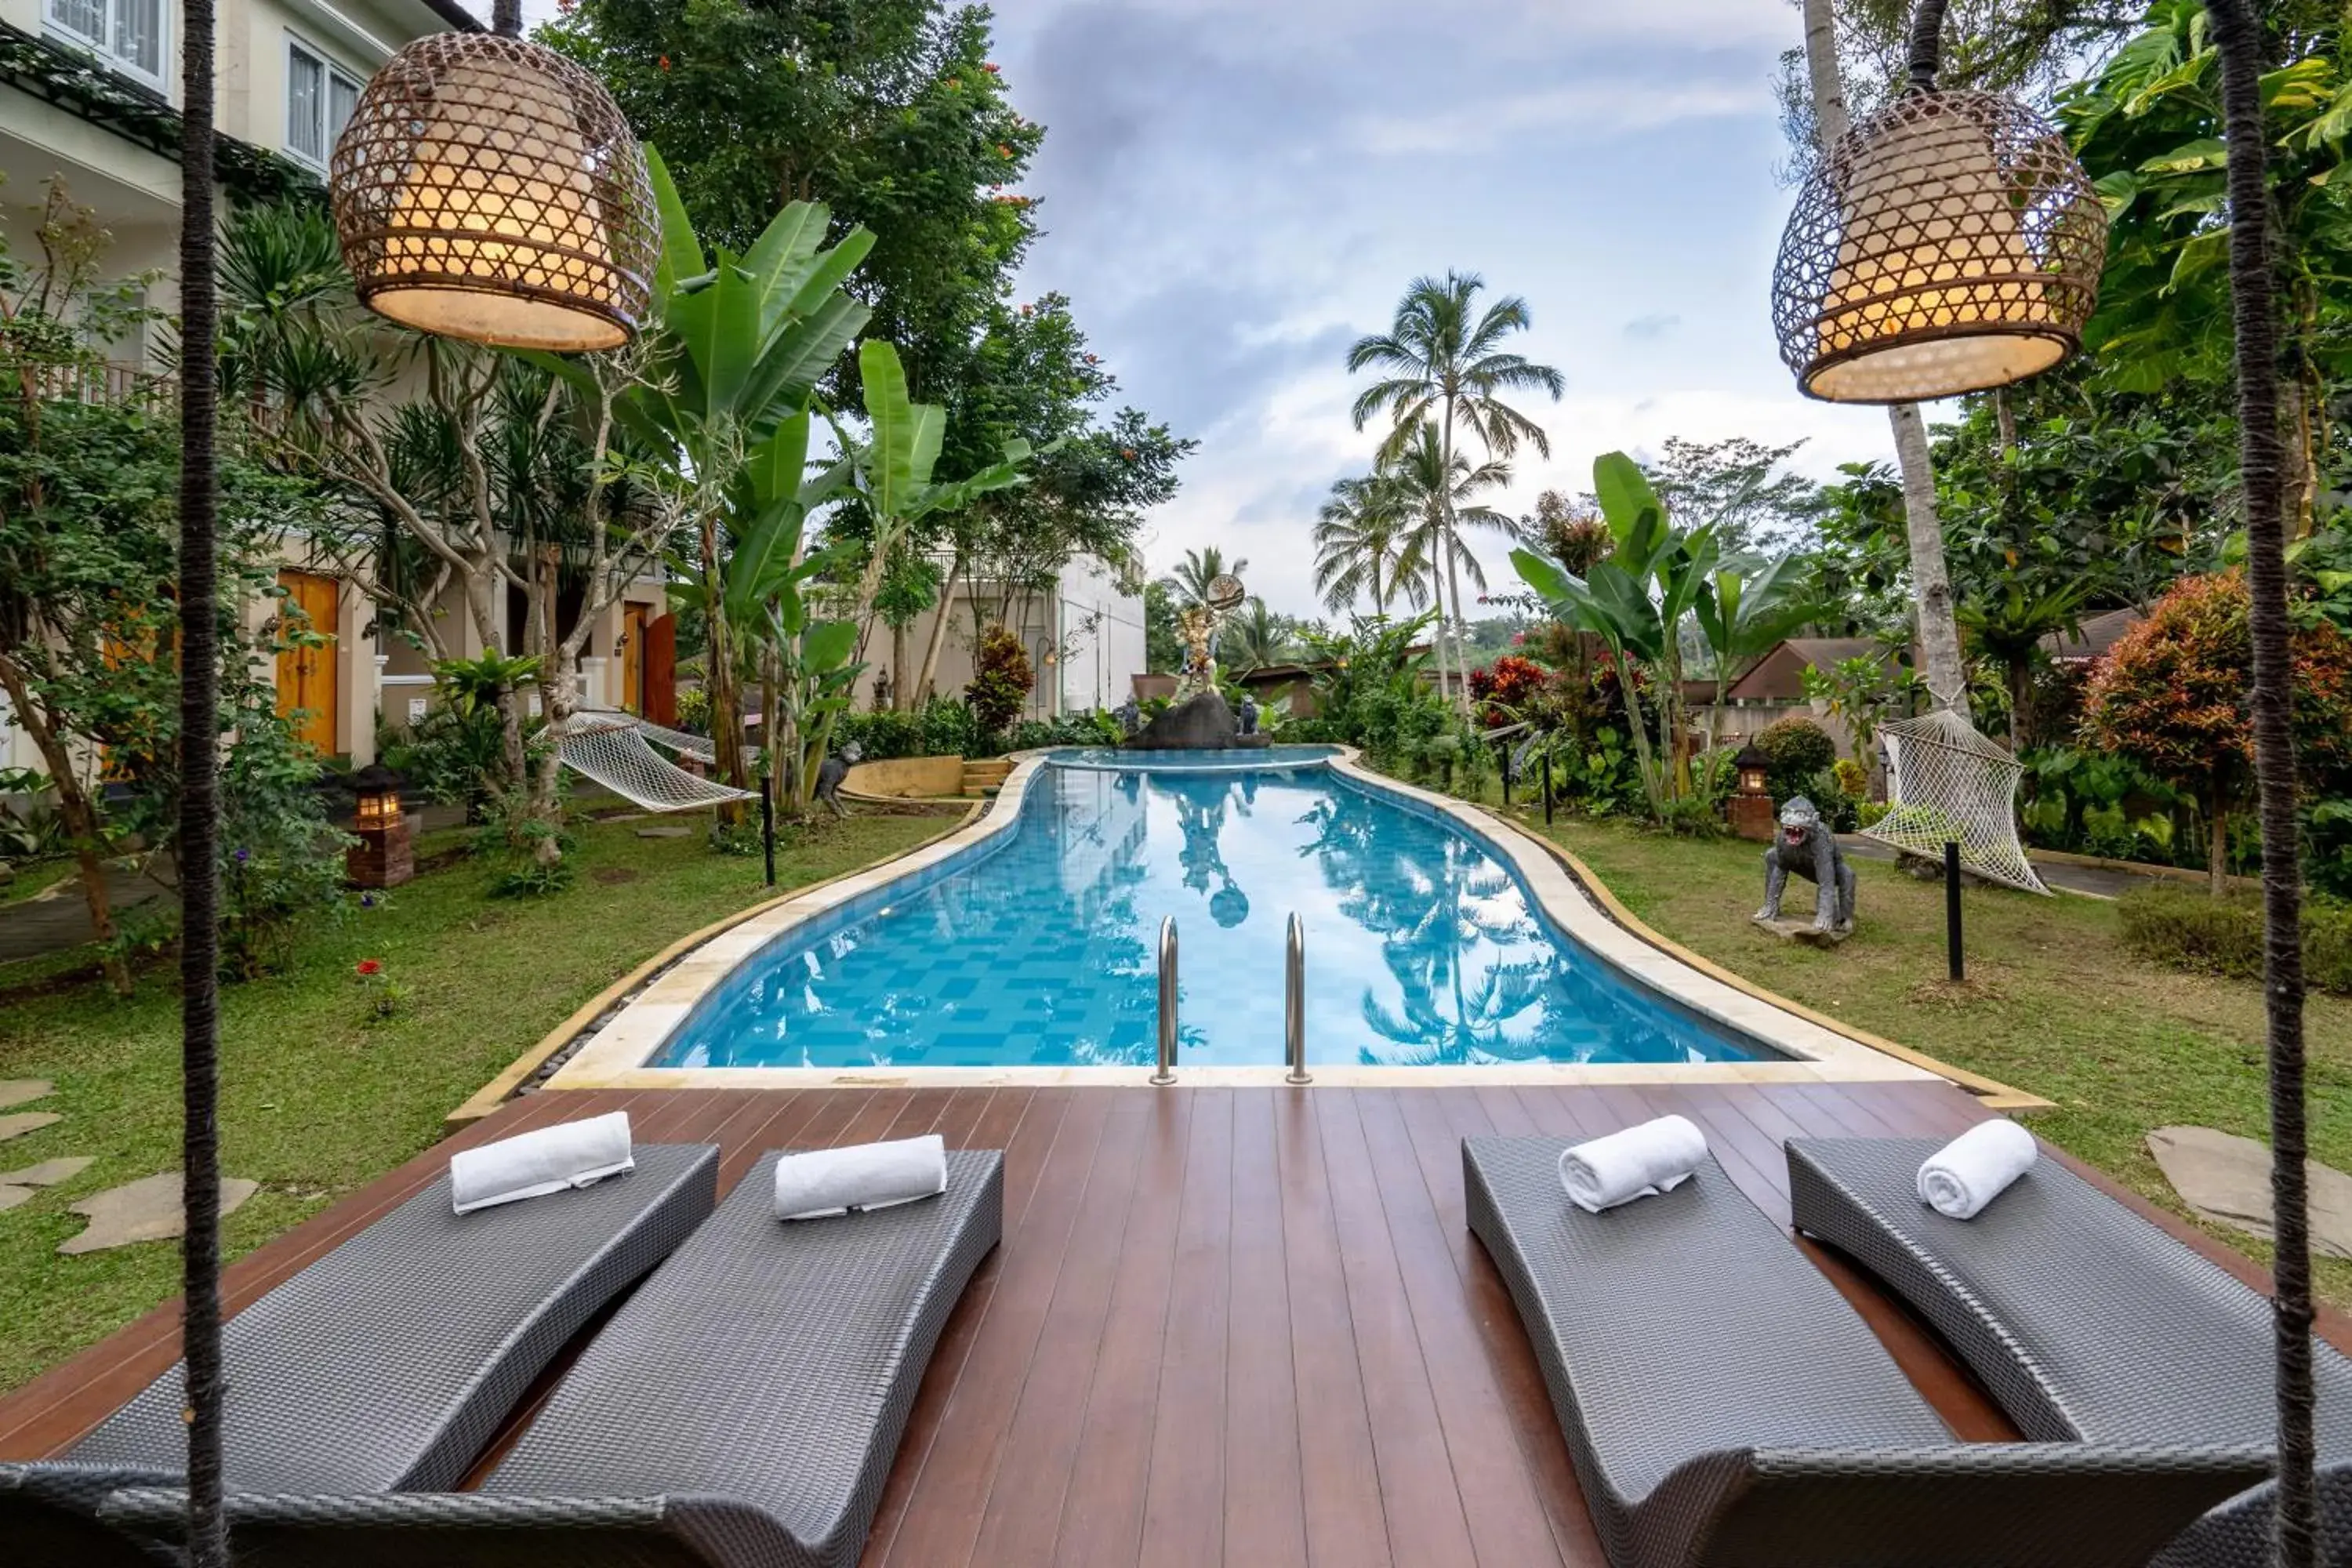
[[1361, 545], [1256, 637], [1442, 358], [1189, 582], [1432, 490]]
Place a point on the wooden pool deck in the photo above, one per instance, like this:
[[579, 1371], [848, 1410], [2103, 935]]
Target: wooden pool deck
[[1239, 1326]]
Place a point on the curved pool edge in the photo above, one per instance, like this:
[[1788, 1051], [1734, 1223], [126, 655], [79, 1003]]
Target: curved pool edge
[[616, 1055]]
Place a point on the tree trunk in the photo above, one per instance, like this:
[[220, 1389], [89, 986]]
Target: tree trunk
[[1446, 620], [937, 639], [79, 814], [1931, 584], [2237, 35], [2020, 700], [898, 664], [2217, 843], [720, 680]]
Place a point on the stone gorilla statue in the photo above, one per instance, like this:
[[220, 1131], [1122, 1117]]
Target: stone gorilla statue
[[832, 770], [1812, 851]]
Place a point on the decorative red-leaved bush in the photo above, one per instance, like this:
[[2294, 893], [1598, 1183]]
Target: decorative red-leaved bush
[[2173, 696], [1001, 681], [1503, 688]]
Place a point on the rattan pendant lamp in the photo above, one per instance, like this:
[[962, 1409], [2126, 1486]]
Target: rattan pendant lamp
[[1948, 244], [486, 188]]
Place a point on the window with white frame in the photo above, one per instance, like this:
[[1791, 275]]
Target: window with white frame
[[127, 33], [320, 97]]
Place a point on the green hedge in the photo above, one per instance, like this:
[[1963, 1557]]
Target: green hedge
[[2187, 928]]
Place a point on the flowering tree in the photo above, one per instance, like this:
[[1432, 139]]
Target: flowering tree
[[2174, 697]]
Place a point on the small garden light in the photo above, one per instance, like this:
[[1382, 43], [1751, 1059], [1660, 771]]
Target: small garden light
[[1949, 243], [489, 189], [1750, 807], [384, 856]]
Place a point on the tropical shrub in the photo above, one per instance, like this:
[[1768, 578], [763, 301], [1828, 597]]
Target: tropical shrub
[[1840, 810], [281, 869], [694, 710], [1096, 727], [2184, 930], [1506, 690], [1001, 682], [2173, 697], [1796, 751], [879, 735], [1852, 778], [2103, 803]]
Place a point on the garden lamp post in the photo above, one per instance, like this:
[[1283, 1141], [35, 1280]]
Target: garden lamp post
[[1750, 807], [383, 857]]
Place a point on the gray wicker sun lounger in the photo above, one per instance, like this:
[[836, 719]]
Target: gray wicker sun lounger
[[1725, 1407], [741, 1411], [388, 1363], [2086, 1321]]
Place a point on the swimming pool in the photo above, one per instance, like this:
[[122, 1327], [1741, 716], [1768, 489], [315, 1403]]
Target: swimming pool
[[1037, 947]]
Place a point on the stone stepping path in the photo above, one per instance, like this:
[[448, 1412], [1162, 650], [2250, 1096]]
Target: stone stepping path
[[16, 1091], [25, 1121], [16, 1187], [664, 832], [2227, 1179], [144, 1210]]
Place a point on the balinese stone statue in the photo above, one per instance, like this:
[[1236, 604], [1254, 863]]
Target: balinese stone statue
[[1248, 714], [1811, 850], [1130, 715]]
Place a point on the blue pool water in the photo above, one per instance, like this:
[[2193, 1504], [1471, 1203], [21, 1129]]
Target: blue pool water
[[1422, 947]]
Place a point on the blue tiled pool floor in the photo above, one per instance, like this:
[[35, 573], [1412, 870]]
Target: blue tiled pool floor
[[1422, 947]]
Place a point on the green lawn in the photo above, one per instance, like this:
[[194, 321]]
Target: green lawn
[[315, 1101], [2054, 1002]]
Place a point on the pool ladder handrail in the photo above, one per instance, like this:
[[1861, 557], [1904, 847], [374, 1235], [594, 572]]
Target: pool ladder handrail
[[1294, 1002], [1293, 1007], [1166, 1074]]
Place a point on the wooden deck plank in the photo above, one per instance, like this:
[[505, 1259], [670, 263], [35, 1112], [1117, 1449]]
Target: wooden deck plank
[[1440, 1121], [1102, 1510], [1420, 1494], [1040, 1446], [1184, 1501], [996, 1122], [1266, 1519], [1338, 1486], [1236, 1326], [1507, 1518], [961, 1468]]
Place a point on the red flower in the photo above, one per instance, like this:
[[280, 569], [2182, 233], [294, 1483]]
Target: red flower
[[1003, 150], [371, 965], [1128, 452], [663, 62], [990, 67]]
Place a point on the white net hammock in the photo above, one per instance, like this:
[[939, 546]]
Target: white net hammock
[[610, 749], [1945, 782], [701, 747]]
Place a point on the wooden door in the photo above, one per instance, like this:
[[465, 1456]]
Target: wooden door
[[632, 657], [306, 676], [661, 671]]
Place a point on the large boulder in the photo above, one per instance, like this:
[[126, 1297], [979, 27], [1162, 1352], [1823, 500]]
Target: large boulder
[[1202, 723]]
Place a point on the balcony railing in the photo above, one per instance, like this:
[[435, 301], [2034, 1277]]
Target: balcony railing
[[105, 382]]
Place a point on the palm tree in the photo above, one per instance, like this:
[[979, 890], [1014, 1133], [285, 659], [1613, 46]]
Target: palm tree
[[1189, 582], [1361, 545], [1441, 356], [1254, 638], [1433, 511]]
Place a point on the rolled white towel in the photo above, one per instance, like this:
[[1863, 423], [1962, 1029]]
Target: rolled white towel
[[1640, 1162], [1958, 1179], [546, 1160], [863, 1177]]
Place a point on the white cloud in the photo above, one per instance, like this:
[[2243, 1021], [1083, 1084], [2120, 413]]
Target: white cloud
[[1602, 109]]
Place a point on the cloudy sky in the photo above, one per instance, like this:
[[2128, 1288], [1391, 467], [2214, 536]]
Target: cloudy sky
[[1233, 191]]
